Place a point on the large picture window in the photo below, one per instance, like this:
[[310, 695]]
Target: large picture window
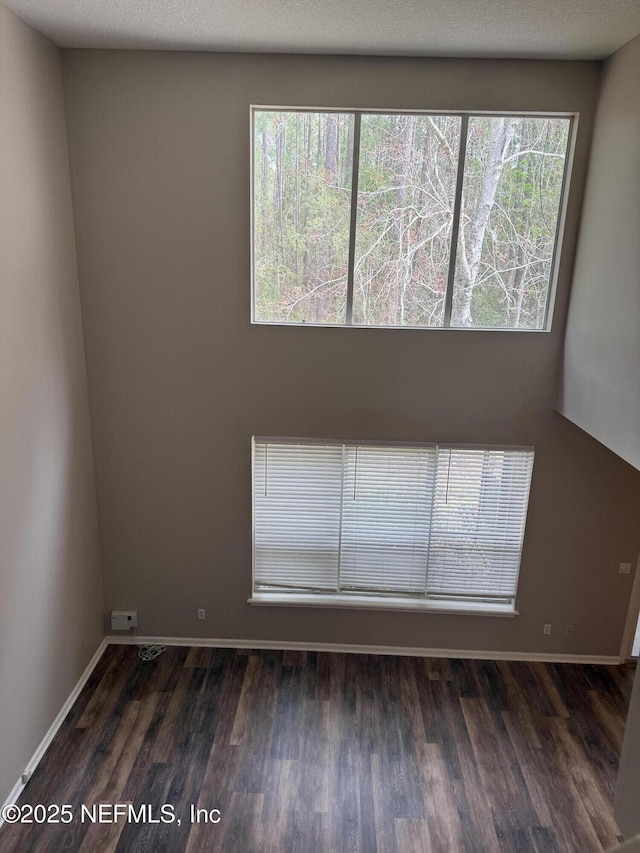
[[434, 526], [410, 220]]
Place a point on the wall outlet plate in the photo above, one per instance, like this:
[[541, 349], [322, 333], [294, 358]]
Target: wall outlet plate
[[625, 568], [122, 620]]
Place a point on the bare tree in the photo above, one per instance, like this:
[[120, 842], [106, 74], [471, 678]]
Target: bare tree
[[407, 173], [472, 232]]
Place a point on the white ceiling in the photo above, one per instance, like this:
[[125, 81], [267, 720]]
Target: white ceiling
[[568, 29]]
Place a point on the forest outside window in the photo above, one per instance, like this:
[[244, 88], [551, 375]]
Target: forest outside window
[[407, 220], [436, 527]]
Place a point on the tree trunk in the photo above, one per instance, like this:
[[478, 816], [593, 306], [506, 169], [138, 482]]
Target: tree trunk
[[470, 249], [331, 159], [278, 195], [518, 287], [296, 218], [348, 167], [263, 195]]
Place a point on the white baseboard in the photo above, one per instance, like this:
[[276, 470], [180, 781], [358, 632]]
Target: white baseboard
[[541, 657], [55, 725]]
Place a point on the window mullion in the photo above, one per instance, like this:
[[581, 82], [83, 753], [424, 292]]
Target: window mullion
[[455, 225], [354, 216], [344, 467]]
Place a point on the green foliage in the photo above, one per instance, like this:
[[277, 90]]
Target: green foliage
[[301, 215]]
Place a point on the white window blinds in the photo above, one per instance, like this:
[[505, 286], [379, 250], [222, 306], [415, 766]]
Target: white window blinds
[[424, 522], [477, 526], [297, 496], [386, 507]]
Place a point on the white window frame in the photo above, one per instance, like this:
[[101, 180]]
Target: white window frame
[[464, 115], [365, 601]]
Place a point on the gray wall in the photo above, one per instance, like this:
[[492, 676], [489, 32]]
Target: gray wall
[[179, 379], [50, 584], [600, 390], [627, 798], [601, 378]]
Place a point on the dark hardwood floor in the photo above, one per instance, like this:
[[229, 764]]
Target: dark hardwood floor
[[303, 751]]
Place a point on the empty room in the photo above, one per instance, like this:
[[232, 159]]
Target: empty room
[[320, 433]]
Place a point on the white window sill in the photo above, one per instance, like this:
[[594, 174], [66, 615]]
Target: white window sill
[[395, 328], [365, 602]]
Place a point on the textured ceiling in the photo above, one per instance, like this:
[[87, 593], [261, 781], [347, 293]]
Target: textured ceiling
[[571, 29]]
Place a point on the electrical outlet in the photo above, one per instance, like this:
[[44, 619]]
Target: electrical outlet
[[201, 613], [625, 569], [546, 629], [568, 630], [123, 620]]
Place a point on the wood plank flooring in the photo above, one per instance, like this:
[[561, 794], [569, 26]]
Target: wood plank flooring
[[303, 751]]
